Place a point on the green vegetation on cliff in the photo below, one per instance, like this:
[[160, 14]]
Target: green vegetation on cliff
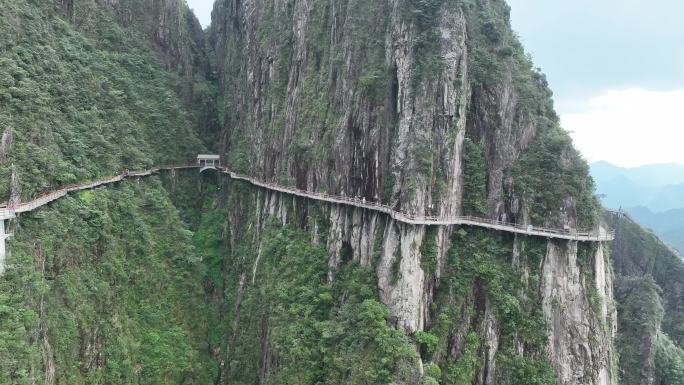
[[669, 362], [500, 68], [279, 318], [550, 172], [104, 287], [474, 179], [77, 105], [649, 286], [479, 266], [196, 280]]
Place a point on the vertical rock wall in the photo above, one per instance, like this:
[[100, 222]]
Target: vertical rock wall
[[575, 287], [327, 96], [344, 97], [576, 304], [169, 26]]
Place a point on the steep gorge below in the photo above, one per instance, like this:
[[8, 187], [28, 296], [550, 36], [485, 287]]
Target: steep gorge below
[[431, 107], [492, 302], [434, 109]]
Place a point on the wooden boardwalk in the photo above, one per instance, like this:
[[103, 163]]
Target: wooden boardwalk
[[601, 236]]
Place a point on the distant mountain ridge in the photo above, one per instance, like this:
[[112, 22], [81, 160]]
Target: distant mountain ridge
[[658, 187], [656, 174], [669, 225], [653, 194]]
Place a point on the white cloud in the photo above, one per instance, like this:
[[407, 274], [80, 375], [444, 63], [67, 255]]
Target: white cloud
[[630, 127]]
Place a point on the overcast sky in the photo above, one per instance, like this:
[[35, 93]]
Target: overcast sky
[[202, 9], [617, 71], [616, 68]]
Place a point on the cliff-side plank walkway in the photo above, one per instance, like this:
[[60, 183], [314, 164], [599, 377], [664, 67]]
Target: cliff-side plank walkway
[[601, 236]]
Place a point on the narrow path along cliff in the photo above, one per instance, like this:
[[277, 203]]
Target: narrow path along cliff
[[584, 236]]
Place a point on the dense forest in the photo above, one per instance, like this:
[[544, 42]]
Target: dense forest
[[430, 106], [649, 292]]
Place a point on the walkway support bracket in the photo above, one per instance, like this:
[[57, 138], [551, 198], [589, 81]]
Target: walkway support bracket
[[205, 162]]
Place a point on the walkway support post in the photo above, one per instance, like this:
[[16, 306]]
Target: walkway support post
[[3, 248], [213, 161]]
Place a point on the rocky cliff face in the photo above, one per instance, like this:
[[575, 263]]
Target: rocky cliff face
[[649, 278], [578, 305], [431, 107], [524, 300], [169, 25], [81, 98], [375, 100]]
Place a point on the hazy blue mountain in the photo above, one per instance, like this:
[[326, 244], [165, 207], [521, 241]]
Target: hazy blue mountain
[[658, 187], [675, 238], [621, 191], [667, 198], [669, 225], [656, 175], [653, 194]]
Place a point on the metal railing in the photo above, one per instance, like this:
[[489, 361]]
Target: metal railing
[[600, 236], [432, 220], [45, 198]]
